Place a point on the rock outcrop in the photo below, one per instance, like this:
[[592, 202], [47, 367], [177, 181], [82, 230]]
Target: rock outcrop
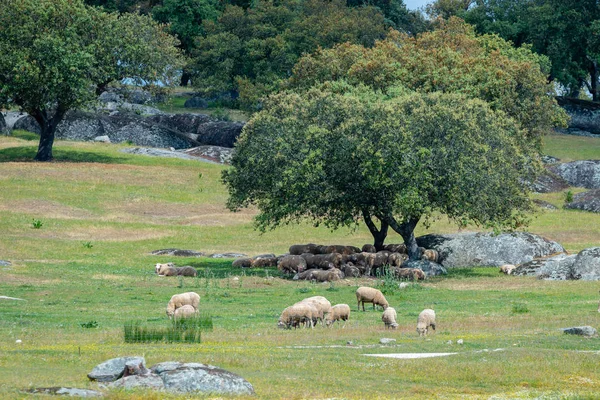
[[485, 249], [549, 182], [587, 265], [584, 174], [430, 268], [586, 201], [555, 268], [585, 116], [112, 369]]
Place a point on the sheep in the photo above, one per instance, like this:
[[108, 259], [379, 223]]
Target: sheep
[[265, 260], [185, 311], [414, 274], [430, 255], [291, 264], [339, 312], [333, 274], [322, 261], [369, 248], [395, 248], [167, 269], [186, 271], [396, 259], [370, 295], [389, 318], [180, 300], [507, 269], [380, 259], [426, 319], [351, 270], [297, 249], [296, 315], [243, 262], [323, 306], [344, 250]]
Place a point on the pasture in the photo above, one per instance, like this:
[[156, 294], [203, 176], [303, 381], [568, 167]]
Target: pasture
[[79, 232]]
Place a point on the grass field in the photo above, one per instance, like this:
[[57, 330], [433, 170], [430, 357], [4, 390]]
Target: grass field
[[79, 232]]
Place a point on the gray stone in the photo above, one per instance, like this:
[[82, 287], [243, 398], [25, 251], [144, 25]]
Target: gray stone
[[549, 182], [149, 381], [586, 201], [387, 340], [102, 139], [485, 249], [138, 96], [227, 255], [5, 263], [153, 152], [546, 159], [587, 265], [545, 205], [64, 391], [580, 173], [27, 123], [110, 370], [557, 268], [219, 133], [218, 154], [196, 102], [430, 268], [585, 116], [186, 123], [110, 97], [587, 331], [201, 378], [177, 252], [11, 117]]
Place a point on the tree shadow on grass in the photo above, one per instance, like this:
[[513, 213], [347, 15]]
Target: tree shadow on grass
[[27, 154]]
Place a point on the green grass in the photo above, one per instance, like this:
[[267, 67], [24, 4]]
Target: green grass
[[78, 298], [569, 148]]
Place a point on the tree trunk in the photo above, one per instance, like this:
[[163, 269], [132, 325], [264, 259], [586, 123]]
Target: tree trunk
[[379, 235], [407, 230], [47, 132], [185, 78], [593, 70]]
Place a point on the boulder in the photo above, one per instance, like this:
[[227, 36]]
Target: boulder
[[64, 391], [472, 249], [3, 126], [177, 252], [546, 159], [585, 116], [586, 201], [186, 123], [102, 139], [196, 102], [27, 123], [227, 255], [112, 369], [218, 154], [4, 263], [149, 381], [201, 378], [137, 96], [154, 152], [387, 341], [545, 205], [557, 268], [586, 331], [430, 268], [580, 173], [587, 265], [219, 133], [110, 97], [549, 182]]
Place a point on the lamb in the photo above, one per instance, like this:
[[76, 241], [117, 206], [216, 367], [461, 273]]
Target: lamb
[[426, 319], [430, 255], [185, 311], [339, 312], [291, 264], [370, 295], [389, 318], [507, 269], [296, 315], [180, 300], [321, 303]]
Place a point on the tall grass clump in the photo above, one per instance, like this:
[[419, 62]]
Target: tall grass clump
[[183, 330]]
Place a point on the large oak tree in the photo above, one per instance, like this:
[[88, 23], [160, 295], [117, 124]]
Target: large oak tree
[[56, 54]]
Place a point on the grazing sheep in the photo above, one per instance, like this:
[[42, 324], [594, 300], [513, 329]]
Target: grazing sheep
[[426, 319], [243, 262], [185, 311], [167, 269], [186, 271], [296, 315], [413, 274], [339, 312], [292, 264], [507, 269], [180, 300], [369, 248], [370, 295], [323, 306], [389, 318], [430, 255]]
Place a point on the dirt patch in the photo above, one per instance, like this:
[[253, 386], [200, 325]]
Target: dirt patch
[[109, 234], [48, 209]]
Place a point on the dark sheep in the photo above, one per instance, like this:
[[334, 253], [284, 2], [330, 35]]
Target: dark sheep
[[292, 264], [243, 262], [369, 248]]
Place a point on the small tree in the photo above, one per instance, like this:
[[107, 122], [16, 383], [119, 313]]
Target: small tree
[[56, 53], [337, 155]]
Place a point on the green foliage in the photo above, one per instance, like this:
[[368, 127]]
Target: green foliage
[[252, 50], [37, 224], [48, 71], [519, 308], [87, 245], [183, 330], [89, 324], [569, 196]]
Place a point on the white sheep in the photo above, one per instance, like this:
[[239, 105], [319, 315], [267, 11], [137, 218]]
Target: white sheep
[[426, 319], [167, 269], [185, 311], [507, 269], [296, 315], [370, 295], [180, 300], [322, 304], [389, 318], [338, 312]]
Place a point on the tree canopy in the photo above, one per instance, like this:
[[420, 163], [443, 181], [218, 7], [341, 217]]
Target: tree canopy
[[446, 123], [55, 53]]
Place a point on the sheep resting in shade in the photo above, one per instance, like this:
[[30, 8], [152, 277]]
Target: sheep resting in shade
[[414, 274], [182, 299], [389, 318], [370, 295], [292, 264], [426, 319], [338, 312]]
